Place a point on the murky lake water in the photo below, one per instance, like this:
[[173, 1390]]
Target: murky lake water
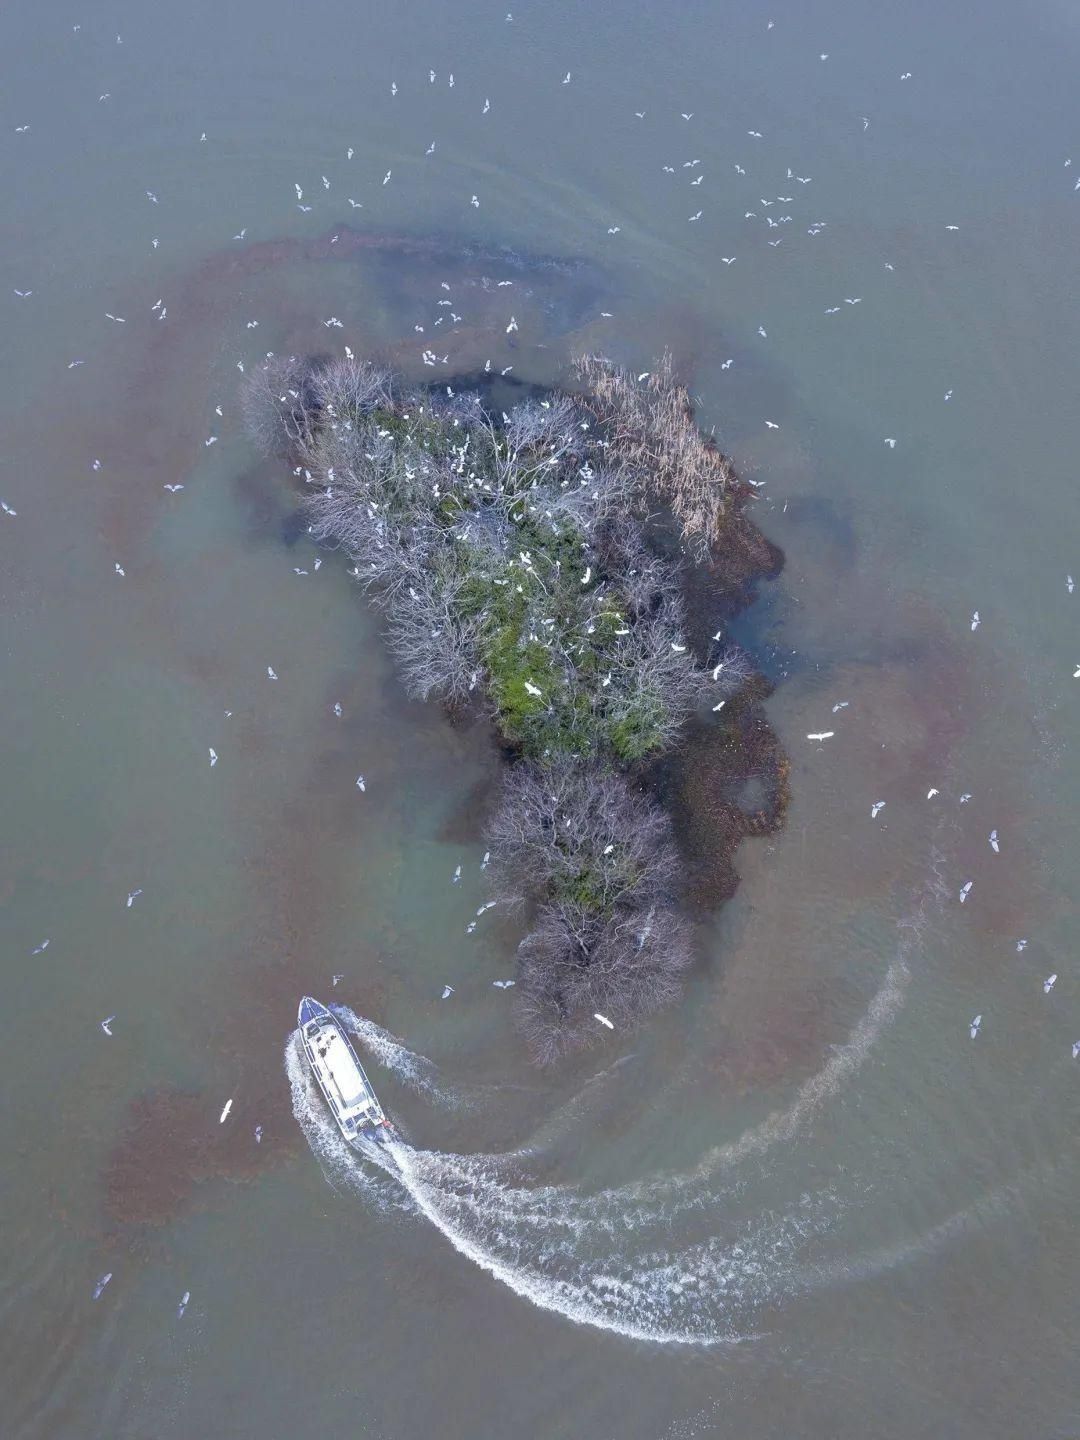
[[803, 1202]]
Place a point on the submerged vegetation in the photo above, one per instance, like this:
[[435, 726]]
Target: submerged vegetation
[[525, 561]]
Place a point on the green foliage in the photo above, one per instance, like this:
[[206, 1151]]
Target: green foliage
[[638, 732]]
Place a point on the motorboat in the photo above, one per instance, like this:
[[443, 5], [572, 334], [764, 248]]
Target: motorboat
[[341, 1077]]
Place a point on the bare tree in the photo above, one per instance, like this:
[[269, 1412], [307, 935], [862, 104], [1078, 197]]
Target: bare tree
[[650, 428], [437, 652], [573, 967]]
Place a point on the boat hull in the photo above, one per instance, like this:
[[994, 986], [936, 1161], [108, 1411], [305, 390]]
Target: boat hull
[[340, 1076]]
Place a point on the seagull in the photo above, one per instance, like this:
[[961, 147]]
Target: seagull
[[39, 948], [877, 805], [337, 709], [761, 332], [225, 1112], [1021, 946], [386, 177], [566, 78], [729, 259], [755, 133], [132, 898], [822, 735], [7, 509], [857, 300], [183, 1304], [890, 442], [360, 784], [271, 672], [393, 87], [172, 489], [356, 204], [1069, 584], [603, 1020], [106, 1023], [448, 990], [457, 876], [685, 116], [698, 216], [719, 707], [932, 792], [1076, 1049], [994, 841], [24, 294], [100, 1286], [965, 797], [613, 229], [772, 425], [512, 326], [487, 107], [1049, 983], [258, 1134], [533, 689], [975, 621], [965, 891], [975, 1026], [840, 705], [503, 984]]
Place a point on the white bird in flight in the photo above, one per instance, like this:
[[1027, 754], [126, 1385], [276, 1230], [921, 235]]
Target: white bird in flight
[[225, 1112], [603, 1020], [965, 891], [975, 1026], [213, 757], [994, 841], [877, 805], [1049, 983], [106, 1023], [133, 897]]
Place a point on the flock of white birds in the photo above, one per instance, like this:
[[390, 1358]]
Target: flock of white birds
[[772, 211]]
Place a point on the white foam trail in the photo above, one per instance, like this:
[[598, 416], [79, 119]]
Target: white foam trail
[[588, 1257], [413, 1070], [689, 1298], [339, 1164]]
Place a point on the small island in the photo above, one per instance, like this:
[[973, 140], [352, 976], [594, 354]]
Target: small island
[[535, 561]]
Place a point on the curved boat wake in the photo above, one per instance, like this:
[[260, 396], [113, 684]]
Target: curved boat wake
[[607, 1258]]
